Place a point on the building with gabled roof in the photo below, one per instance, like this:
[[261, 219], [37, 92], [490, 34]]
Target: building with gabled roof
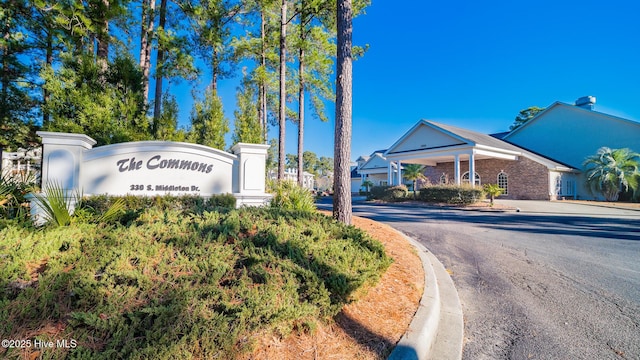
[[374, 168], [541, 159], [451, 154]]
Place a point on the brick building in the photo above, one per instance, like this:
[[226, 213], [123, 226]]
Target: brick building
[[451, 154], [540, 160]]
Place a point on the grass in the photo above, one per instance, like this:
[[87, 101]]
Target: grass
[[172, 285]]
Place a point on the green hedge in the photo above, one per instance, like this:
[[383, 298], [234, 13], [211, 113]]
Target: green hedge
[[389, 193], [187, 203], [451, 194]]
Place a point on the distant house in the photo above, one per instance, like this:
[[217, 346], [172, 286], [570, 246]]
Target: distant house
[[308, 181], [540, 160], [374, 168], [22, 164]]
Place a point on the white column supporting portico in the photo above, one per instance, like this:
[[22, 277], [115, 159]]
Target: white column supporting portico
[[399, 174], [390, 174], [456, 168], [472, 169]]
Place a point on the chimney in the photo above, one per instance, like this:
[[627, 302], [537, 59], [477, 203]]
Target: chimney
[[586, 102]]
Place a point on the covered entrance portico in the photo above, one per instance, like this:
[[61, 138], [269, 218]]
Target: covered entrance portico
[[428, 143]]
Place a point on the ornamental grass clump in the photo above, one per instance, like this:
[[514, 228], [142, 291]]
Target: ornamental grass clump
[[288, 195], [56, 204]]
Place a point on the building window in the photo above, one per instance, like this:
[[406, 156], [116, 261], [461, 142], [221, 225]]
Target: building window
[[465, 178], [503, 183], [558, 189], [564, 186], [569, 186], [383, 183], [443, 179]]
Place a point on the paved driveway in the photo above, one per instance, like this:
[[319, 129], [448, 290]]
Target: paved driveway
[[554, 281], [567, 208]]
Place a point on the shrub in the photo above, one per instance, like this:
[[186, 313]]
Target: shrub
[[288, 195], [132, 205], [13, 190], [451, 194], [56, 204], [170, 286], [492, 190], [227, 201], [389, 193]]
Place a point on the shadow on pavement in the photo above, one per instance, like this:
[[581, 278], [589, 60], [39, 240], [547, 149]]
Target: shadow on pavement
[[591, 226]]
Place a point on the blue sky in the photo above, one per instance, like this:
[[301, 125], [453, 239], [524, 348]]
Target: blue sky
[[476, 64]]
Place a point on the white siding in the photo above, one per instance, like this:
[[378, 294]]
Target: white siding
[[569, 134], [355, 185], [375, 163], [425, 137]]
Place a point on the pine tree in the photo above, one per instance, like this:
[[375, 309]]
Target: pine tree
[[342, 148], [208, 124], [247, 123]]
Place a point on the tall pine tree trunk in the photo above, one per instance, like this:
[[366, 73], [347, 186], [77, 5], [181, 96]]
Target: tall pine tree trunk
[[148, 17], [301, 104], [262, 90], [48, 61], [283, 90], [342, 149], [157, 104], [103, 38], [214, 70]]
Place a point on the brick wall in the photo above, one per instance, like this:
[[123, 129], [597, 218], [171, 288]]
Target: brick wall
[[526, 178]]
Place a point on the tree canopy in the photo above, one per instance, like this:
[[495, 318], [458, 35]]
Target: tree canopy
[[106, 67], [524, 116]]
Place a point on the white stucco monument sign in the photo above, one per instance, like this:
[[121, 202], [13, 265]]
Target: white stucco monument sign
[[154, 168]]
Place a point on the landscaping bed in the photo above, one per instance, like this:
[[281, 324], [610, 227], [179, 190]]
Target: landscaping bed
[[173, 284], [370, 327]]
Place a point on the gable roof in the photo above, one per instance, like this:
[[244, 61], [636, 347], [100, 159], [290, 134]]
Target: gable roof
[[558, 104], [470, 138], [462, 136], [477, 138], [376, 157]]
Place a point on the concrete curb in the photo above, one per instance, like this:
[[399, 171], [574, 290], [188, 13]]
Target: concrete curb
[[436, 331]]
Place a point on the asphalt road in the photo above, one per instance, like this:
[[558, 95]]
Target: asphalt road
[[544, 283]]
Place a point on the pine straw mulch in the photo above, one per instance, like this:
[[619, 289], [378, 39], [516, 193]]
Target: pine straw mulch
[[370, 327]]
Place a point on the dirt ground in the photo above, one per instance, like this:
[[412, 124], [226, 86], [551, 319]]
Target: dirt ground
[[370, 327]]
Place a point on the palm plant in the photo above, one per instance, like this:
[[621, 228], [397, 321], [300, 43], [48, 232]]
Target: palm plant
[[13, 192], [56, 204], [492, 190], [413, 173], [367, 184], [610, 171]]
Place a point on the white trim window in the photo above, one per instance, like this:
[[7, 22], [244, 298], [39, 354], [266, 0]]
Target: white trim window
[[565, 185], [503, 182], [465, 178]]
